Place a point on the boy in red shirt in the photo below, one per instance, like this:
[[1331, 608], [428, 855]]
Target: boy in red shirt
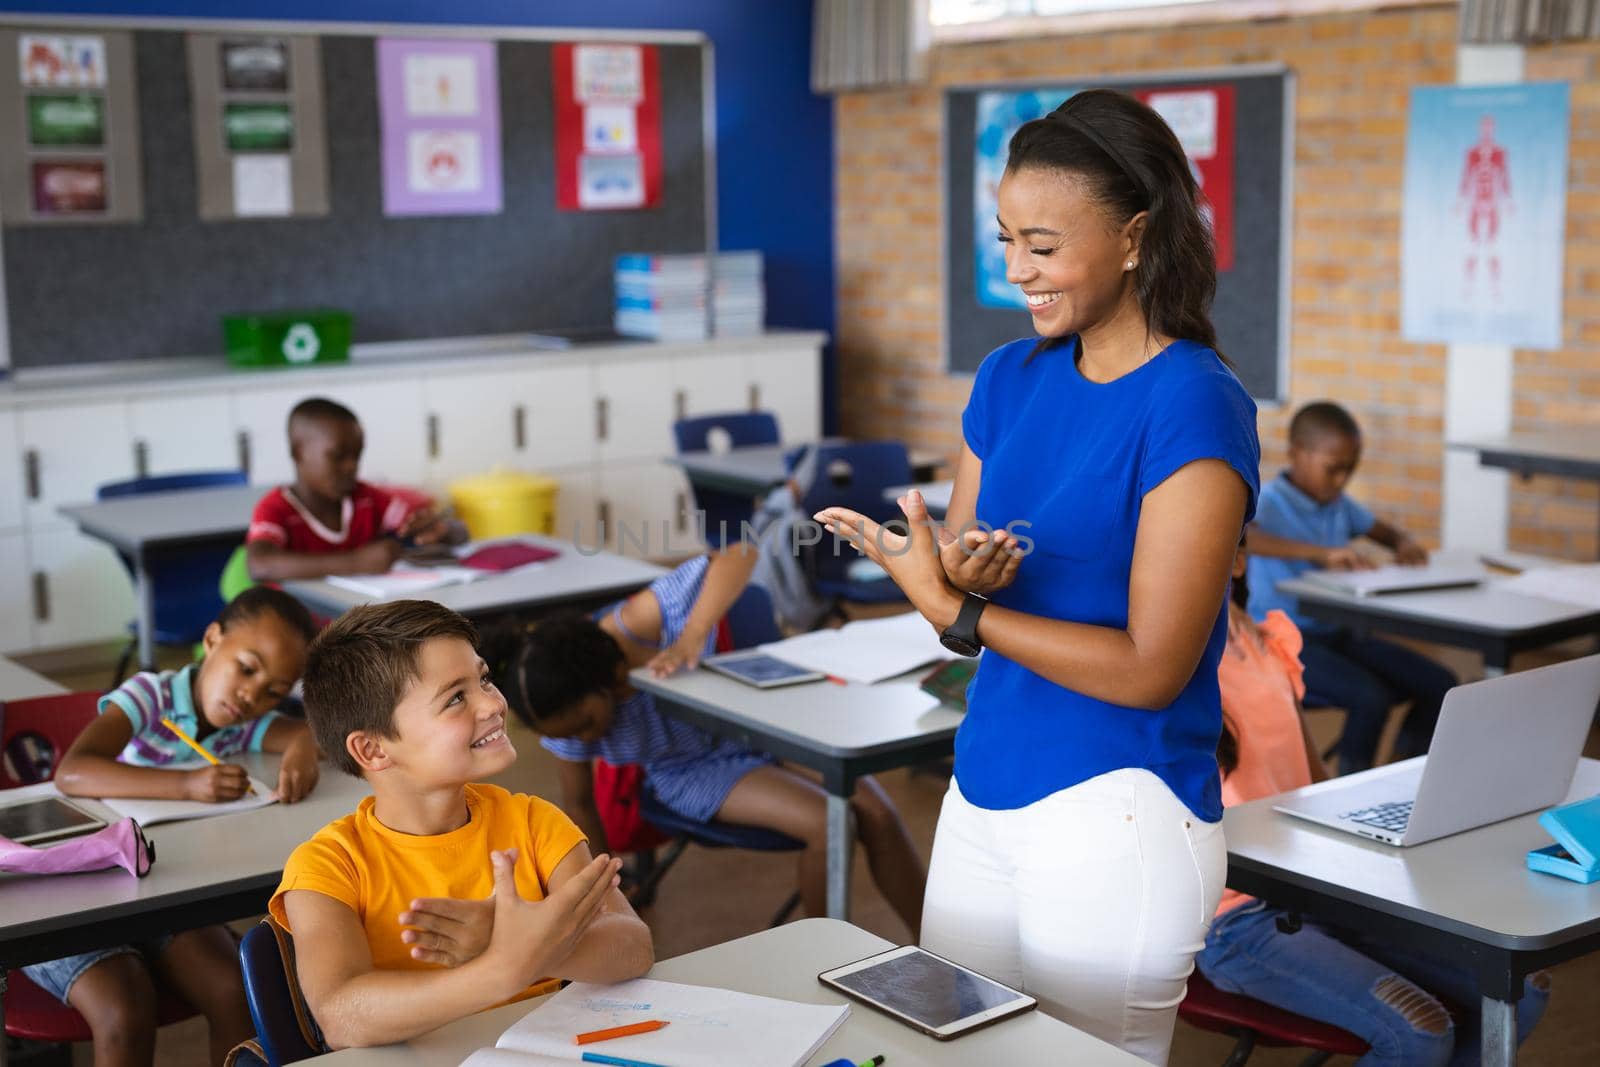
[[328, 521]]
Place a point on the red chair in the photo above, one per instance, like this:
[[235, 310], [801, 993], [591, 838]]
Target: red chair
[[1251, 1023], [34, 735]]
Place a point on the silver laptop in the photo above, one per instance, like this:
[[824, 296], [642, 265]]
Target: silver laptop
[[1503, 746]]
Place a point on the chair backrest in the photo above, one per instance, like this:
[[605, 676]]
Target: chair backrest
[[170, 483], [285, 1029], [742, 428], [36, 732], [855, 475], [751, 619]]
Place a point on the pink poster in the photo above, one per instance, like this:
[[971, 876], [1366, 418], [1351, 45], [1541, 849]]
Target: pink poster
[[439, 106]]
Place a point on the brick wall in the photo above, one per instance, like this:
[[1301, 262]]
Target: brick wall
[[1353, 73]]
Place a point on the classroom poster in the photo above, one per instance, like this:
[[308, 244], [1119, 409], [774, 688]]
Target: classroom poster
[[255, 65], [1484, 217], [439, 106], [608, 126], [1200, 115], [69, 129]]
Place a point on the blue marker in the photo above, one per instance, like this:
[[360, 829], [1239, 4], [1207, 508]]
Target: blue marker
[[618, 1061]]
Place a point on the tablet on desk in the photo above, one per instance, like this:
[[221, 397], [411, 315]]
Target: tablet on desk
[[45, 819], [927, 992], [761, 670]]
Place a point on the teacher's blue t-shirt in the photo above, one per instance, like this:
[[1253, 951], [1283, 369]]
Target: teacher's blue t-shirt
[[1075, 458]]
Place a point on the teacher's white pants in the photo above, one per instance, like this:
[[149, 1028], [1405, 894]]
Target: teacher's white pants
[[1094, 900]]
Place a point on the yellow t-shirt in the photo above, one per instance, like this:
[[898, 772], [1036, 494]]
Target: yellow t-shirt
[[378, 872]]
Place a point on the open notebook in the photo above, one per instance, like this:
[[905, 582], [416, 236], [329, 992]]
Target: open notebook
[[150, 812], [865, 651], [1396, 578], [707, 1027]]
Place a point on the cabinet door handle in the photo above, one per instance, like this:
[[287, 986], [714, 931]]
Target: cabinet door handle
[[755, 396], [41, 596], [602, 418], [683, 512], [30, 472], [141, 458], [242, 442], [519, 426], [433, 437], [680, 404], [603, 509]]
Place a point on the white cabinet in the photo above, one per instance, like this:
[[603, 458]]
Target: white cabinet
[[183, 433], [648, 511], [538, 419], [16, 593], [788, 383], [577, 504], [391, 417], [709, 385], [634, 409], [84, 593], [68, 452], [10, 473]]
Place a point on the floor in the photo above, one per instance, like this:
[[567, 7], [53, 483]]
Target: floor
[[711, 896]]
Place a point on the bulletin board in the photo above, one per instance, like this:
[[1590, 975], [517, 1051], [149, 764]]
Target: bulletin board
[[1251, 310], [155, 285]]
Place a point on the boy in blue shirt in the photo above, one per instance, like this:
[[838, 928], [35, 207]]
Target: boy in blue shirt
[[1305, 522]]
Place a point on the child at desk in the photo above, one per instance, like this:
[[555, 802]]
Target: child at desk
[[397, 694], [1386, 995], [328, 521], [1305, 521], [569, 681], [254, 653]]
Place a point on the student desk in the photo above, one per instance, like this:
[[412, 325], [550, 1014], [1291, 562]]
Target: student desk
[[936, 495], [140, 526], [1571, 454], [577, 578], [784, 963], [19, 683], [1491, 621], [842, 732], [206, 871], [1468, 898], [751, 470]]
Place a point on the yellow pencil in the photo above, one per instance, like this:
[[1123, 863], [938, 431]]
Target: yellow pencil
[[192, 743]]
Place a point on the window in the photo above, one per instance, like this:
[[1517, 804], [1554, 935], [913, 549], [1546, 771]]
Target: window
[[957, 20]]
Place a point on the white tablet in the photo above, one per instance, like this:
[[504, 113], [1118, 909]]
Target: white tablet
[[927, 992], [761, 670], [42, 819]]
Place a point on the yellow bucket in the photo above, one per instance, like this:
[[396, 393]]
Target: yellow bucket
[[503, 503]]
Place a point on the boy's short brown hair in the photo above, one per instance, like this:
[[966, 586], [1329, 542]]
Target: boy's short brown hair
[[360, 667]]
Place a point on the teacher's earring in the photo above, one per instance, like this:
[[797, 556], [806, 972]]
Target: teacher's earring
[[1129, 264]]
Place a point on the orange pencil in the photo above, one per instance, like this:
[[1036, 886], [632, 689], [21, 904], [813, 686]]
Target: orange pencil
[[619, 1031]]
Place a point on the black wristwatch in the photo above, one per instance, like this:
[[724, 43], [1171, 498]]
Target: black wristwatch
[[961, 636]]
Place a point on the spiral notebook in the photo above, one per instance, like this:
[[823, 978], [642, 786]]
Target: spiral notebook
[[706, 1027]]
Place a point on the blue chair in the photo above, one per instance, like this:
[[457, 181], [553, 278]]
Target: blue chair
[[853, 476], [724, 511], [751, 622], [183, 584], [285, 1030]]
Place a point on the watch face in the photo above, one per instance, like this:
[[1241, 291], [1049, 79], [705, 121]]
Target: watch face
[[959, 645]]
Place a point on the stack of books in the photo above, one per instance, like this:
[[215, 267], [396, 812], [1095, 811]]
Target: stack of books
[[663, 297]]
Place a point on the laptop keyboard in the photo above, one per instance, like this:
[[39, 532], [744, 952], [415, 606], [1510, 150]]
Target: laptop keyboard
[[1390, 817]]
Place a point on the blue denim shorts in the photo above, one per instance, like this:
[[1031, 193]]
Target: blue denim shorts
[[56, 976]]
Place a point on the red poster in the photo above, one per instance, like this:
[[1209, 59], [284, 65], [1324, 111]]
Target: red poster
[[608, 126], [1202, 117]]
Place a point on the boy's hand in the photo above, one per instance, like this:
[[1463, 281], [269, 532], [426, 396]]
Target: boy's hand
[[376, 557], [1410, 553], [682, 654], [298, 772], [448, 931], [425, 527], [979, 562], [216, 783], [1344, 559], [530, 937]]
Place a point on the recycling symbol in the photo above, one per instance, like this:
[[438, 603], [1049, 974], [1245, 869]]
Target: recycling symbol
[[300, 344]]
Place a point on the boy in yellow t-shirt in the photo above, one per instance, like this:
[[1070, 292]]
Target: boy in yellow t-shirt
[[438, 897]]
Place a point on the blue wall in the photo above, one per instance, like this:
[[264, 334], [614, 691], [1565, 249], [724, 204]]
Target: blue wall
[[774, 137]]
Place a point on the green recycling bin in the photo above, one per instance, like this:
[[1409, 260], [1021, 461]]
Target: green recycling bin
[[287, 338]]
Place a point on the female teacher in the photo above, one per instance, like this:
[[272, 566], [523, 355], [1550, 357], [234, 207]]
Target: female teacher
[[1079, 853]]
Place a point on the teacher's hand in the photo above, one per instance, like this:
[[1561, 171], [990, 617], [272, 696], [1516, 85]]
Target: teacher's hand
[[911, 560], [979, 562]]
